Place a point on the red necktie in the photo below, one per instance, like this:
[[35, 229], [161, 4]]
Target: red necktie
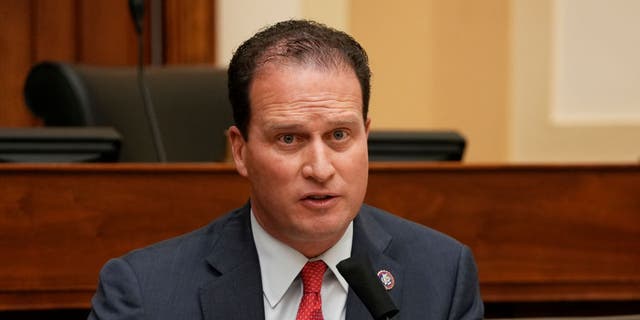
[[311, 303]]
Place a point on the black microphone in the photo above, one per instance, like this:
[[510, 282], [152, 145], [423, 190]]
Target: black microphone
[[364, 282], [136, 7]]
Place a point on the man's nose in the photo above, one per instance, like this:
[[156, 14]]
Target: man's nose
[[318, 163]]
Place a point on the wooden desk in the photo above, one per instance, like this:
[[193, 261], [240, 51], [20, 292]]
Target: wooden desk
[[539, 233]]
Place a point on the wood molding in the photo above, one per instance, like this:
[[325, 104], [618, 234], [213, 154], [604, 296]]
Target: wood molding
[[189, 31]]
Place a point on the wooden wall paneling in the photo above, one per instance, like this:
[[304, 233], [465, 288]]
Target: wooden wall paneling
[[93, 32], [86, 220], [189, 32], [15, 52], [54, 26], [53, 35], [539, 233], [106, 35]]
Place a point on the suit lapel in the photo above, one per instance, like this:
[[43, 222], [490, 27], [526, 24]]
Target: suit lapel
[[370, 239], [236, 290]]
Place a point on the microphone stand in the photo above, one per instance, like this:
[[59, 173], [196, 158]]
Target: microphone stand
[[137, 13], [148, 106]]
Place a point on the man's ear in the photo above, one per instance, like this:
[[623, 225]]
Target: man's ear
[[367, 124], [238, 149]]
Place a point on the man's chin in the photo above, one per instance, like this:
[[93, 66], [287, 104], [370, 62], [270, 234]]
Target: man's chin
[[322, 232]]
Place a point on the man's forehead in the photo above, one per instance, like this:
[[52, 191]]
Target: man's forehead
[[301, 97], [300, 87]]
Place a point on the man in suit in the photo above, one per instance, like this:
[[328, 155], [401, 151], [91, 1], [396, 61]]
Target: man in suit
[[300, 94]]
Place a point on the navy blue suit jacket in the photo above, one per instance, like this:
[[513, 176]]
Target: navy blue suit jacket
[[214, 273]]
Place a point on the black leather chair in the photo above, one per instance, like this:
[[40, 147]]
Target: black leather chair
[[432, 145], [190, 103]]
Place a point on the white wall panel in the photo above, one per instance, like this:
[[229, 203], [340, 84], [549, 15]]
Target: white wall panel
[[596, 67], [237, 20]]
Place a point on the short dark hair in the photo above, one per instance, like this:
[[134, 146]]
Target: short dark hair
[[300, 41]]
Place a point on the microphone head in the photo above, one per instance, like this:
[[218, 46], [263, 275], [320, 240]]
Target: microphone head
[[136, 8], [364, 282]]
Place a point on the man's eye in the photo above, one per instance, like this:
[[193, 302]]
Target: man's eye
[[339, 134], [287, 138]]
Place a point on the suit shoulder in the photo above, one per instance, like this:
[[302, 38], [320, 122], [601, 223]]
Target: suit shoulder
[[412, 234], [433, 265], [193, 245]]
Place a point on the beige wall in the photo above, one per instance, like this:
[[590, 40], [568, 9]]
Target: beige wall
[[334, 13], [439, 64], [484, 68], [237, 20], [535, 136]]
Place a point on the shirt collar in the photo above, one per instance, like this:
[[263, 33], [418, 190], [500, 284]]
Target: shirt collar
[[277, 277]]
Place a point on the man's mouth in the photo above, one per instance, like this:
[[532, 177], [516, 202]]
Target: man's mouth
[[319, 200], [319, 197]]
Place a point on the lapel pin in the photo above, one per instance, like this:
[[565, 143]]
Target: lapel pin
[[387, 279]]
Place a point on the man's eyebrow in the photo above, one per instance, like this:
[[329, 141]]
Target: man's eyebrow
[[284, 126], [343, 122], [300, 126]]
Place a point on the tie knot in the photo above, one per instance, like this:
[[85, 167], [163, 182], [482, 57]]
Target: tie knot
[[312, 274]]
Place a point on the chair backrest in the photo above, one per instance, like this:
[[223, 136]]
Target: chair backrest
[[190, 102], [431, 145]]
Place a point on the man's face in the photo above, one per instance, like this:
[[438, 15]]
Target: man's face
[[306, 153]]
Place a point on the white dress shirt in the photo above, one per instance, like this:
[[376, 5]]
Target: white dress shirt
[[280, 266]]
